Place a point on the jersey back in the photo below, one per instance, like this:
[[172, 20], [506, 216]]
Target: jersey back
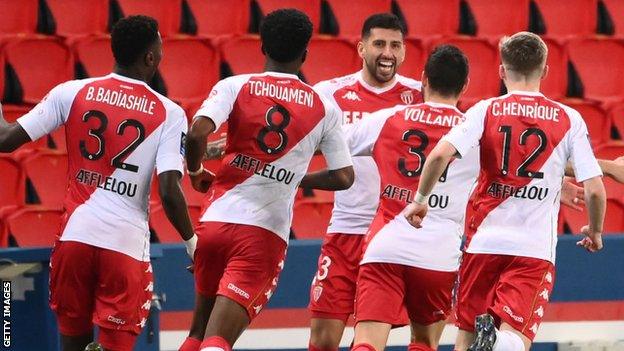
[[525, 142], [118, 131], [275, 124]]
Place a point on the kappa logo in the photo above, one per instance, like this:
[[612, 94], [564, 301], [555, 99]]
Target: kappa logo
[[146, 306], [407, 97], [142, 323], [316, 293], [268, 294], [540, 311], [351, 95], [257, 309], [534, 328], [149, 287], [544, 294], [548, 277]]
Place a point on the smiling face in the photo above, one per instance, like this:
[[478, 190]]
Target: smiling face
[[383, 52]]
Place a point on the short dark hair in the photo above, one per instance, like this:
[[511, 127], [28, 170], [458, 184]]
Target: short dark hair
[[131, 38], [447, 70], [382, 20], [285, 34], [523, 53]]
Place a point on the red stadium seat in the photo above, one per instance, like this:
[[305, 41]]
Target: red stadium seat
[[430, 17], [193, 197], [329, 58], [617, 117], [312, 8], [167, 12], [614, 218], [502, 17], [598, 63], [12, 182], [79, 17], [190, 68], [47, 170], [164, 230], [310, 219], [95, 55], [40, 64], [351, 14], [13, 112], [484, 62], [555, 84], [243, 55], [616, 10], [220, 17], [596, 118], [18, 16], [35, 226], [570, 17], [2, 60], [59, 139], [415, 58]]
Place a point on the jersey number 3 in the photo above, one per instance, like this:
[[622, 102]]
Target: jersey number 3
[[98, 134]]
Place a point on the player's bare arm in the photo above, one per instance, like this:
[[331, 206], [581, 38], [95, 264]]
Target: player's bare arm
[[613, 169], [195, 151], [12, 135], [174, 204], [329, 179], [596, 200], [215, 149], [434, 166]]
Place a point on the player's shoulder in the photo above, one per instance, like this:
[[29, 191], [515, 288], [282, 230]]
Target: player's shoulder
[[409, 82], [331, 85], [573, 114]]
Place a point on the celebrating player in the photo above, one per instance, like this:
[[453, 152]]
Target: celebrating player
[[275, 124], [404, 267], [526, 140], [375, 87], [118, 130]]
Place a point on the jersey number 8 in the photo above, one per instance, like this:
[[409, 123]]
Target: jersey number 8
[[273, 127]]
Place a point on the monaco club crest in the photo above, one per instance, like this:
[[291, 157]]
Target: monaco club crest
[[407, 97], [316, 293]]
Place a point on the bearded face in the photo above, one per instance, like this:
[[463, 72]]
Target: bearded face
[[383, 52]]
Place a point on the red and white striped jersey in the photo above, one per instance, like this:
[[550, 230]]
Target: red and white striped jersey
[[525, 143], [355, 207], [399, 140], [117, 130], [275, 124]]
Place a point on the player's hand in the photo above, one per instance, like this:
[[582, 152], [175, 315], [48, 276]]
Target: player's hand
[[202, 181], [617, 171], [572, 195], [215, 149], [191, 245], [415, 213], [592, 241]]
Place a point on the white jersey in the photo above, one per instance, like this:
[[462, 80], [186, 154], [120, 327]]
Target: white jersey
[[117, 130], [399, 140], [275, 124], [355, 207], [525, 143]]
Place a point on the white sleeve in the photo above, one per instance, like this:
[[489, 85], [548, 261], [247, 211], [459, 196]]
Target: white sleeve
[[581, 154], [467, 134], [333, 144], [49, 114], [361, 136], [170, 154], [219, 103]]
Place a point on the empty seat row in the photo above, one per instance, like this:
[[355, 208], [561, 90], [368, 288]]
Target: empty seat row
[[39, 63], [215, 18]]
